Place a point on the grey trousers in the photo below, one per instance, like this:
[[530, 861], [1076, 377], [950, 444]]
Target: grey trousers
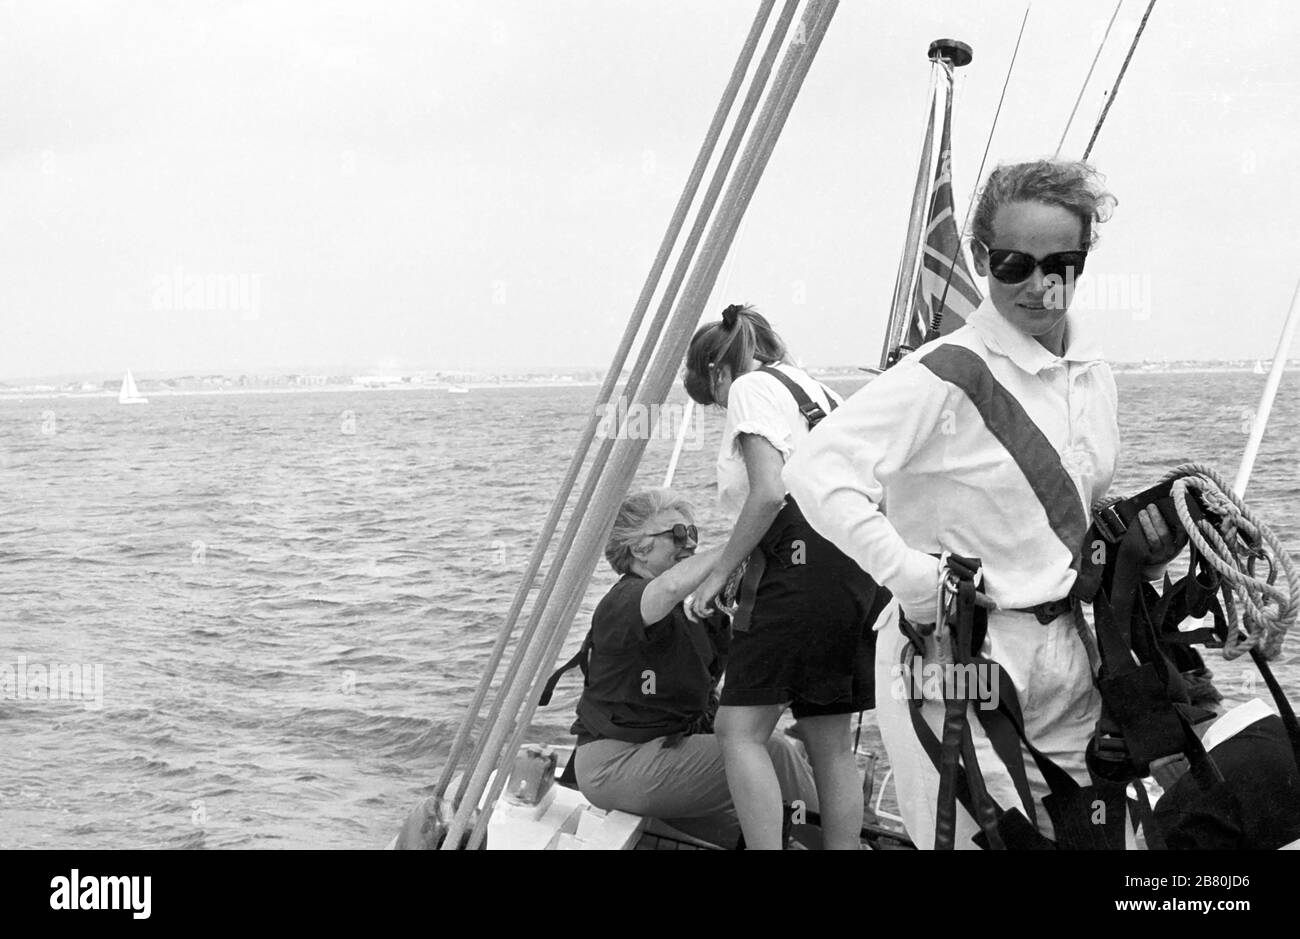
[[684, 785]]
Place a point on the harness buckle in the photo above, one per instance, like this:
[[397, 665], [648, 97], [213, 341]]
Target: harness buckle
[[813, 414], [1109, 524]]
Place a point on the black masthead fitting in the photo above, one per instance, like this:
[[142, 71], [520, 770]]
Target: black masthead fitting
[[955, 51]]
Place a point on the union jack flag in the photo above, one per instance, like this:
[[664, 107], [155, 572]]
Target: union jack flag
[[945, 283]]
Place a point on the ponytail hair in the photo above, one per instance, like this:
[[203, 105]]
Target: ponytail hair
[[741, 336]]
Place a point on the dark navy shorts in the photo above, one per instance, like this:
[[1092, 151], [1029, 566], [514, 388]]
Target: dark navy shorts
[[809, 638]]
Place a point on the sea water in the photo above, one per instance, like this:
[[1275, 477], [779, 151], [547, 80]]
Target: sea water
[[255, 620]]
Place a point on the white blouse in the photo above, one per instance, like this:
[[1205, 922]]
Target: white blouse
[[759, 404]]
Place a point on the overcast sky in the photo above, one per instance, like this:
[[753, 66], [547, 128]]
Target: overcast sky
[[392, 186]]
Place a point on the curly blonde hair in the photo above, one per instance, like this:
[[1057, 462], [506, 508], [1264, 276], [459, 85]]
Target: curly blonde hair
[[1073, 185]]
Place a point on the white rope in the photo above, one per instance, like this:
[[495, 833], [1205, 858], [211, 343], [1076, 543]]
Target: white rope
[[1263, 611]]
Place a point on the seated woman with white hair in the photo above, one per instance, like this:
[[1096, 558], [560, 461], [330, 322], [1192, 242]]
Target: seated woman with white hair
[[645, 718]]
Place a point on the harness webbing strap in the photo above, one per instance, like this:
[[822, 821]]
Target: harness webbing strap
[[960, 778], [812, 412], [1285, 711], [1088, 818], [1145, 714], [1155, 838], [1007, 420], [956, 747], [972, 619], [914, 650], [579, 660], [756, 563], [1011, 830], [755, 566], [951, 748], [988, 814], [1006, 744], [1073, 808], [1017, 834], [1141, 689]]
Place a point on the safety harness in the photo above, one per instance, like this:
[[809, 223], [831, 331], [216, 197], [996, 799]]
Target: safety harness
[[812, 412], [1146, 718], [741, 589], [1084, 817]]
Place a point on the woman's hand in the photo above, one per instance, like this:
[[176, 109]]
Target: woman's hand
[[924, 612], [1163, 545], [700, 604]]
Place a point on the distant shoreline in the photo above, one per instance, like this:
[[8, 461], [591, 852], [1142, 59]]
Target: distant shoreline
[[1121, 368], [318, 389]]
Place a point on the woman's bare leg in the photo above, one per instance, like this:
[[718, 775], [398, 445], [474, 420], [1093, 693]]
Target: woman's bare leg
[[829, 740], [755, 790]]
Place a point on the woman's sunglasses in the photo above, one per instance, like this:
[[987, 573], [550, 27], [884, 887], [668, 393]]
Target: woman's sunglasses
[[681, 534], [1014, 267]]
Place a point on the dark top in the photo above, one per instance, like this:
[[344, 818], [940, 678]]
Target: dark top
[[1258, 807], [650, 681]]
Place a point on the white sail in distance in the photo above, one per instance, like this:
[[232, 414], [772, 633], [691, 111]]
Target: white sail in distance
[[129, 393]]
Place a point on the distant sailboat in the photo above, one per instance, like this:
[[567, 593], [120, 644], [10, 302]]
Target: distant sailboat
[[458, 389], [1259, 367], [129, 393]]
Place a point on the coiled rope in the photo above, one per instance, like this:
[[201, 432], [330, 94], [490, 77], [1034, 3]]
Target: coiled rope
[[1259, 611]]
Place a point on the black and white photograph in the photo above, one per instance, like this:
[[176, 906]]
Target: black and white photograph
[[648, 425]]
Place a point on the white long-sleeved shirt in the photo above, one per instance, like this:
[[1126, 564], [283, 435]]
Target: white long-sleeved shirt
[[907, 468]]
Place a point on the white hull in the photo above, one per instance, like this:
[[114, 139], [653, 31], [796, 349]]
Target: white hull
[[565, 821]]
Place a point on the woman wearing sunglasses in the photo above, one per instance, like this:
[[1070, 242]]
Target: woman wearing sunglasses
[[992, 442], [802, 636], [645, 718]]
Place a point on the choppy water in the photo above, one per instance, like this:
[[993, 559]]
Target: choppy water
[[291, 596]]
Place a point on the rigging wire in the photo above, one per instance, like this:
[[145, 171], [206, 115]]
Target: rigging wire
[[619, 474], [1119, 78], [1086, 79], [525, 641], [688, 413]]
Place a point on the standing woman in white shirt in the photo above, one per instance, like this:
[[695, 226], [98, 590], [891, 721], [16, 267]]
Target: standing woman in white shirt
[[993, 443], [803, 634]]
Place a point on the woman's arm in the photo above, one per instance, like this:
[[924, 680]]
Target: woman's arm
[[763, 465], [674, 585], [839, 473]]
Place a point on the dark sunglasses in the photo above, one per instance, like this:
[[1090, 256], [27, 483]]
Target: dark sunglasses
[[1014, 267], [681, 534]]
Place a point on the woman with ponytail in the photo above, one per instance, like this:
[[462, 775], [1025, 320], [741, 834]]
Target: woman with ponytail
[[802, 634]]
